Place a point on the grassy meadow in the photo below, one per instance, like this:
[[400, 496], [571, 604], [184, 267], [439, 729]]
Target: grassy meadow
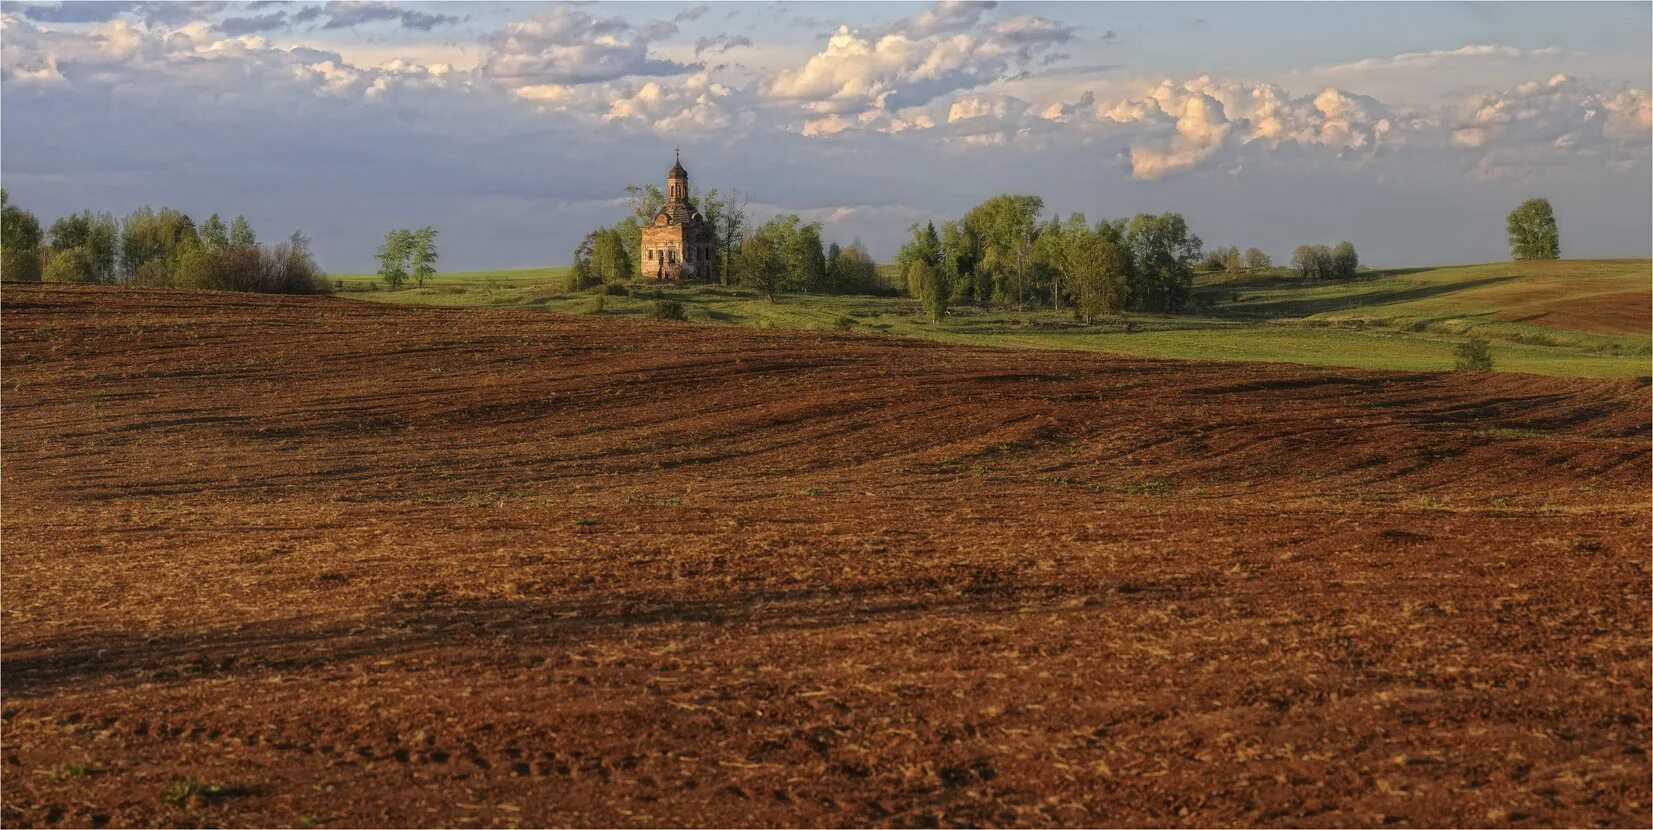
[[1586, 318]]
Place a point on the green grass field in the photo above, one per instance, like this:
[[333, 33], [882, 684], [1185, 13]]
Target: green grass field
[[1587, 318]]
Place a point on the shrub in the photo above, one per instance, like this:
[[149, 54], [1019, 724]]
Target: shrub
[[613, 289], [595, 306], [668, 310], [844, 323], [1473, 356], [153, 273]]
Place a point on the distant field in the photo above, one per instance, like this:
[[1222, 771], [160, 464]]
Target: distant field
[[1586, 318]]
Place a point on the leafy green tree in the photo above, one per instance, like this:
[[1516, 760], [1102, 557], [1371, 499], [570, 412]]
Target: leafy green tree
[[197, 266], [924, 247], [1006, 228], [583, 275], [97, 234], [393, 257], [1256, 259], [19, 242], [762, 262], [1099, 272], [241, 232], [1533, 232], [1163, 255], [149, 235], [70, 265], [834, 268], [422, 253], [1213, 260], [1345, 262], [214, 234], [644, 200], [1304, 262], [1050, 257], [730, 227], [805, 260], [857, 270], [609, 258], [960, 251], [934, 291]]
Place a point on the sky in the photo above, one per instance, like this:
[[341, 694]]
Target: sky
[[514, 128]]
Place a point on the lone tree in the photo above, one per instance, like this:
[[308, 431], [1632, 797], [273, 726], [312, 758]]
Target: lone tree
[[1533, 232], [393, 257], [422, 253]]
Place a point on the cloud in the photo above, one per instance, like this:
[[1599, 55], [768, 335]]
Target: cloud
[[566, 46], [101, 11], [1194, 120], [692, 13], [697, 104], [945, 49], [236, 26], [720, 43], [1418, 60], [344, 14], [1514, 133]]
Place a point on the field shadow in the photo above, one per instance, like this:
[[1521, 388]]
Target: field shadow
[[119, 659], [1312, 306]]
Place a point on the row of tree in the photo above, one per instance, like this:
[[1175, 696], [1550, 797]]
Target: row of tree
[[784, 254], [1000, 253], [1232, 262], [160, 248], [1318, 262]]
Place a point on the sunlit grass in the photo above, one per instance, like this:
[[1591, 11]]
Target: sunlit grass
[[1409, 320]]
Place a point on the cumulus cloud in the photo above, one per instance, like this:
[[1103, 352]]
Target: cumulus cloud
[[1192, 121], [567, 46], [947, 48], [1515, 132]]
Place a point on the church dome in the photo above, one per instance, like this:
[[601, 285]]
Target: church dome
[[677, 171]]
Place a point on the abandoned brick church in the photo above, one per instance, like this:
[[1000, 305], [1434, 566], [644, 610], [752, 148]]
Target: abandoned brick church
[[678, 243]]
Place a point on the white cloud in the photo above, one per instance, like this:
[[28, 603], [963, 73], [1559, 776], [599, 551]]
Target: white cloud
[[1437, 57], [1538, 124], [568, 46], [1191, 122], [945, 49]]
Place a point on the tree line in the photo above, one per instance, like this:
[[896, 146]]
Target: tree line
[[156, 248], [1318, 262], [1000, 253], [784, 254]]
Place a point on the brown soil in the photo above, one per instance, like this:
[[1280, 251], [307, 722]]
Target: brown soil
[[1626, 312], [355, 564]]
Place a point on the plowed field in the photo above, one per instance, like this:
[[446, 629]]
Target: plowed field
[[282, 561]]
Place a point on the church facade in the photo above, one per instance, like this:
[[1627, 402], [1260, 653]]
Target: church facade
[[678, 243]]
